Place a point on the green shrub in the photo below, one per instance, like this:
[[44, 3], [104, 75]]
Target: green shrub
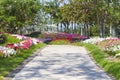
[[60, 42], [34, 34], [1, 78], [1, 56], [2, 38], [78, 43]]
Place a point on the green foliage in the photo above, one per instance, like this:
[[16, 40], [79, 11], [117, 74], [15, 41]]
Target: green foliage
[[60, 42], [117, 51], [113, 53], [10, 39], [1, 78], [94, 31], [35, 34], [78, 44], [1, 55], [12, 62], [101, 13], [15, 14], [2, 38]]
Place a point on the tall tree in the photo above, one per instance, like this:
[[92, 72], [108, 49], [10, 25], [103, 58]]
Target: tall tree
[[87, 13]]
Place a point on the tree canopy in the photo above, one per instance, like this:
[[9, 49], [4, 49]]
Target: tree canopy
[[99, 13], [15, 14], [71, 16]]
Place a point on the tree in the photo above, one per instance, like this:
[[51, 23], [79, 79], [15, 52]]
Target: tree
[[17, 13], [92, 12], [87, 13]]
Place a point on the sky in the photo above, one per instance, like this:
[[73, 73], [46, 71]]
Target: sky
[[66, 1]]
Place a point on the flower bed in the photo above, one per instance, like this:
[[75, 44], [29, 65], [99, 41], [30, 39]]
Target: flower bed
[[11, 48], [6, 52], [71, 37], [94, 40], [111, 45], [11, 63]]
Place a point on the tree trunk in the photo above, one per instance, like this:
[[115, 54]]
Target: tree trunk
[[102, 31], [82, 31], [112, 31], [72, 27], [88, 30]]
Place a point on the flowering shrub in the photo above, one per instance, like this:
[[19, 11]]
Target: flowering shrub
[[112, 44], [24, 44], [71, 37], [48, 35], [35, 41], [94, 40]]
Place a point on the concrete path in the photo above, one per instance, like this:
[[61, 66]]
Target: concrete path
[[62, 62]]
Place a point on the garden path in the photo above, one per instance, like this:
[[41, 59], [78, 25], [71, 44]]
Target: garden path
[[62, 62]]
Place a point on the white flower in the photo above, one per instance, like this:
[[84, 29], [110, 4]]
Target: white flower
[[19, 36], [93, 40], [35, 41], [7, 51], [114, 48]]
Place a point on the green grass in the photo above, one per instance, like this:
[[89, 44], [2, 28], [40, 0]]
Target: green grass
[[60, 42], [10, 39], [10, 63], [113, 68]]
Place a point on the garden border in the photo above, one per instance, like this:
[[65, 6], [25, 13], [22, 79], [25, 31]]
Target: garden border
[[22, 65], [98, 65]]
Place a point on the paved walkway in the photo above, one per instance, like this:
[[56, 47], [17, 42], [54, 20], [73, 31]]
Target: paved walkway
[[61, 62]]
